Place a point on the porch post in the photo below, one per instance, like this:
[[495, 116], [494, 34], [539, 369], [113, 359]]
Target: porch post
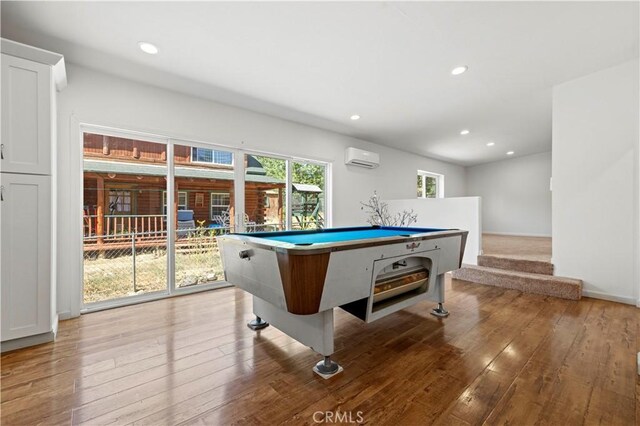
[[100, 210]]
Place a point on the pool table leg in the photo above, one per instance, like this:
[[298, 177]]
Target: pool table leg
[[326, 367], [257, 324], [440, 311]]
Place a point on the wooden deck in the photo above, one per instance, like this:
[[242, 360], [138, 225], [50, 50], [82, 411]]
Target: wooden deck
[[502, 357]]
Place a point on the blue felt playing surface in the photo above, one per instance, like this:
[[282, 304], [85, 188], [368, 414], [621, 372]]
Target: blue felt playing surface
[[334, 235]]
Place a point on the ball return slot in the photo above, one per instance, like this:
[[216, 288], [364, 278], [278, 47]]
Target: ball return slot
[[400, 282], [389, 287]]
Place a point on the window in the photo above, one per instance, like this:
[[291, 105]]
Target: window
[[199, 199], [203, 155], [220, 202], [119, 201], [430, 185], [182, 201]]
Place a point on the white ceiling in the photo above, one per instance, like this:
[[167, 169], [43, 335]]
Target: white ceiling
[[319, 63]]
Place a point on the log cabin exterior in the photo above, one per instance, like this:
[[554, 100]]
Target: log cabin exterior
[[125, 188]]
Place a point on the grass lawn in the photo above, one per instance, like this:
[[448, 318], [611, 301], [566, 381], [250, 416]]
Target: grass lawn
[[112, 277]]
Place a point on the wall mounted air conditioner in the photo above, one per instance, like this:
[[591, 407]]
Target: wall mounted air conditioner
[[361, 158]]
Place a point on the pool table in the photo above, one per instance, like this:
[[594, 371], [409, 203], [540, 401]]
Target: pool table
[[297, 278]]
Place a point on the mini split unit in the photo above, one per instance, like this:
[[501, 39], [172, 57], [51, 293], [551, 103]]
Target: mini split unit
[[361, 158]]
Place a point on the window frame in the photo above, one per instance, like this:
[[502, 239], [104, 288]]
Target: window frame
[[211, 205], [164, 201], [131, 196], [213, 157], [439, 183]]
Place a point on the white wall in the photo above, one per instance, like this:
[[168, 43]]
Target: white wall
[[595, 182], [97, 98], [515, 194], [459, 212]]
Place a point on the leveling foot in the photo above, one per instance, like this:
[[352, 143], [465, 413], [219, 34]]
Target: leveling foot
[[257, 324], [440, 311]]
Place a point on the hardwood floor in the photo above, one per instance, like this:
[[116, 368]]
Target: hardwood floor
[[502, 357]]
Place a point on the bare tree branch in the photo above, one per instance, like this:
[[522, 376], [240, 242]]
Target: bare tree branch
[[378, 212]]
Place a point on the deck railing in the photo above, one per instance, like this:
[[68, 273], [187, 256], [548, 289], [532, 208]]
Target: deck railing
[[149, 230], [117, 225]]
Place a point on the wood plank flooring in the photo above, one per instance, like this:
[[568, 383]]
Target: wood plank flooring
[[502, 357]]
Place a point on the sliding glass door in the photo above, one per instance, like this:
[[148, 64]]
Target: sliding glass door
[[265, 194], [124, 221], [282, 193], [204, 180], [308, 191], [152, 208]]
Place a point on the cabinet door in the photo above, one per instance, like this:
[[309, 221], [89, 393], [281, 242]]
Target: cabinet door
[[26, 116], [25, 234]]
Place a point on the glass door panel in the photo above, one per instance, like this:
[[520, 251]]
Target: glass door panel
[[265, 193], [203, 209], [124, 225], [308, 191]]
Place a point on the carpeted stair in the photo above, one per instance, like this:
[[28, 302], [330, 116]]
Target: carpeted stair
[[516, 264], [528, 276]]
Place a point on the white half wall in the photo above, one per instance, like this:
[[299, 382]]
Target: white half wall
[[596, 187], [93, 97], [515, 193], [459, 213]]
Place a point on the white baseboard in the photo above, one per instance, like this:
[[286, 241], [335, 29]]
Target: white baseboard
[[611, 297], [38, 339], [516, 234], [64, 315]]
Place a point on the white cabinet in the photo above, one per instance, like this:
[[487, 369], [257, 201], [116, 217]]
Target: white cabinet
[[30, 77], [26, 116], [25, 230]]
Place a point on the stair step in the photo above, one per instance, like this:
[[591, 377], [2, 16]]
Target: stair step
[[564, 288], [515, 264]]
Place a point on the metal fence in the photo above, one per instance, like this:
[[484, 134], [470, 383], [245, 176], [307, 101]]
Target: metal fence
[[130, 264], [126, 264]]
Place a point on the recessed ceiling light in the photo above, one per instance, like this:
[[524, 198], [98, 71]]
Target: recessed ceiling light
[[510, 153], [464, 132], [459, 70], [147, 47], [355, 117], [491, 144]]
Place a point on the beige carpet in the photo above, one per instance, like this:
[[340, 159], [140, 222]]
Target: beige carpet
[[548, 285], [513, 264], [532, 248], [519, 263]]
